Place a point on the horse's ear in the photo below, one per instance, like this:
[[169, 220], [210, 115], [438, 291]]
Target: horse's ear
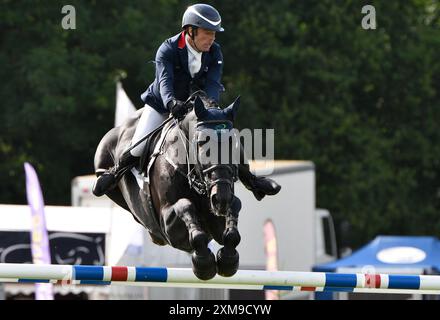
[[199, 108], [231, 110]]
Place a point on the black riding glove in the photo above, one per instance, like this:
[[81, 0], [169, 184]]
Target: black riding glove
[[177, 108]]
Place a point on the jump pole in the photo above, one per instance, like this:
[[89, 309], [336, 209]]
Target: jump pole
[[243, 279], [207, 285]]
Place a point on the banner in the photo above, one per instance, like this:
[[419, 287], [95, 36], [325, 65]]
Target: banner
[[39, 238], [270, 245], [65, 247]]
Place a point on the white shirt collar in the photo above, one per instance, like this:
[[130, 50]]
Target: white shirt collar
[[194, 59], [191, 49]]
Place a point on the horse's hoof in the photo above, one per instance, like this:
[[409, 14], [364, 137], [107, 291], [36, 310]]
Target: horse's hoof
[[204, 266], [227, 262]]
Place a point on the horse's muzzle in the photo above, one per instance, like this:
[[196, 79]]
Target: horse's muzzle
[[221, 198]]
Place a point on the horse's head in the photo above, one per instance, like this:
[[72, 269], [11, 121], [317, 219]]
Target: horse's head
[[215, 150]]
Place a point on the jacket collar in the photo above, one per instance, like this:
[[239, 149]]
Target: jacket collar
[[183, 52], [182, 42]]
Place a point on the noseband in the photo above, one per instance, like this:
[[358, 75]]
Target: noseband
[[209, 184]]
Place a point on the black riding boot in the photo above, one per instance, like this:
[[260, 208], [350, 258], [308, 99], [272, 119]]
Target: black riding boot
[[110, 178], [260, 186]]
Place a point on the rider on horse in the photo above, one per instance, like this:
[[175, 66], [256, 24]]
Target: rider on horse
[[185, 63]]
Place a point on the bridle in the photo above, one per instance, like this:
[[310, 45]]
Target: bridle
[[197, 176], [201, 174]]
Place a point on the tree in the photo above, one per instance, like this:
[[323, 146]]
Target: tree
[[362, 105]]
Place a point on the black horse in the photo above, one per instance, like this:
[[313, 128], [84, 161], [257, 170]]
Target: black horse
[[183, 200]]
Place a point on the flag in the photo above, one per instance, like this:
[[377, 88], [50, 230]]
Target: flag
[[270, 245], [39, 238], [124, 107]]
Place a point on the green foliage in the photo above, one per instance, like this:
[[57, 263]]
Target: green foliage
[[362, 105]]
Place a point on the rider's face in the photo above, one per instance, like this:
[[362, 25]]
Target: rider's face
[[204, 39]]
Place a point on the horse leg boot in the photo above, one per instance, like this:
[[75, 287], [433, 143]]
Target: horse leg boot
[[109, 178], [203, 260], [260, 186], [228, 257]]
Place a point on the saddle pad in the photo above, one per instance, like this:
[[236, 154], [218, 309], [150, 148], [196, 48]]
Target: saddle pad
[[139, 177]]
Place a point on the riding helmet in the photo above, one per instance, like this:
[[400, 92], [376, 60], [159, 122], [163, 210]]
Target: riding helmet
[[202, 16]]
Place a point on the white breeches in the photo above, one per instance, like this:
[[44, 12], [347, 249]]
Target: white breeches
[[150, 120]]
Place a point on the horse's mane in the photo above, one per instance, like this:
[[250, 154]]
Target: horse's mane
[[208, 102]]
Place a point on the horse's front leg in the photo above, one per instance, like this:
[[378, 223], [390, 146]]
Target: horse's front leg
[[203, 260], [227, 257]]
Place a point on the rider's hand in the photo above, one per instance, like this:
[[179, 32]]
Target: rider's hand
[[177, 108]]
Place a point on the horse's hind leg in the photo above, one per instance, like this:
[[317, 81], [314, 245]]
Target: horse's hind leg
[[203, 260], [227, 257]]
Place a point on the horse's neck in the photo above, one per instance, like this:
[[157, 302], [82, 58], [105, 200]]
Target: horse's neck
[[178, 141], [189, 121]]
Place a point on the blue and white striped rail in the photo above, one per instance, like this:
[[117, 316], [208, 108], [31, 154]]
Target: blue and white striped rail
[[208, 285], [243, 279]]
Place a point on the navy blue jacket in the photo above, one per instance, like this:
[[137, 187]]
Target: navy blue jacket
[[173, 79]]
